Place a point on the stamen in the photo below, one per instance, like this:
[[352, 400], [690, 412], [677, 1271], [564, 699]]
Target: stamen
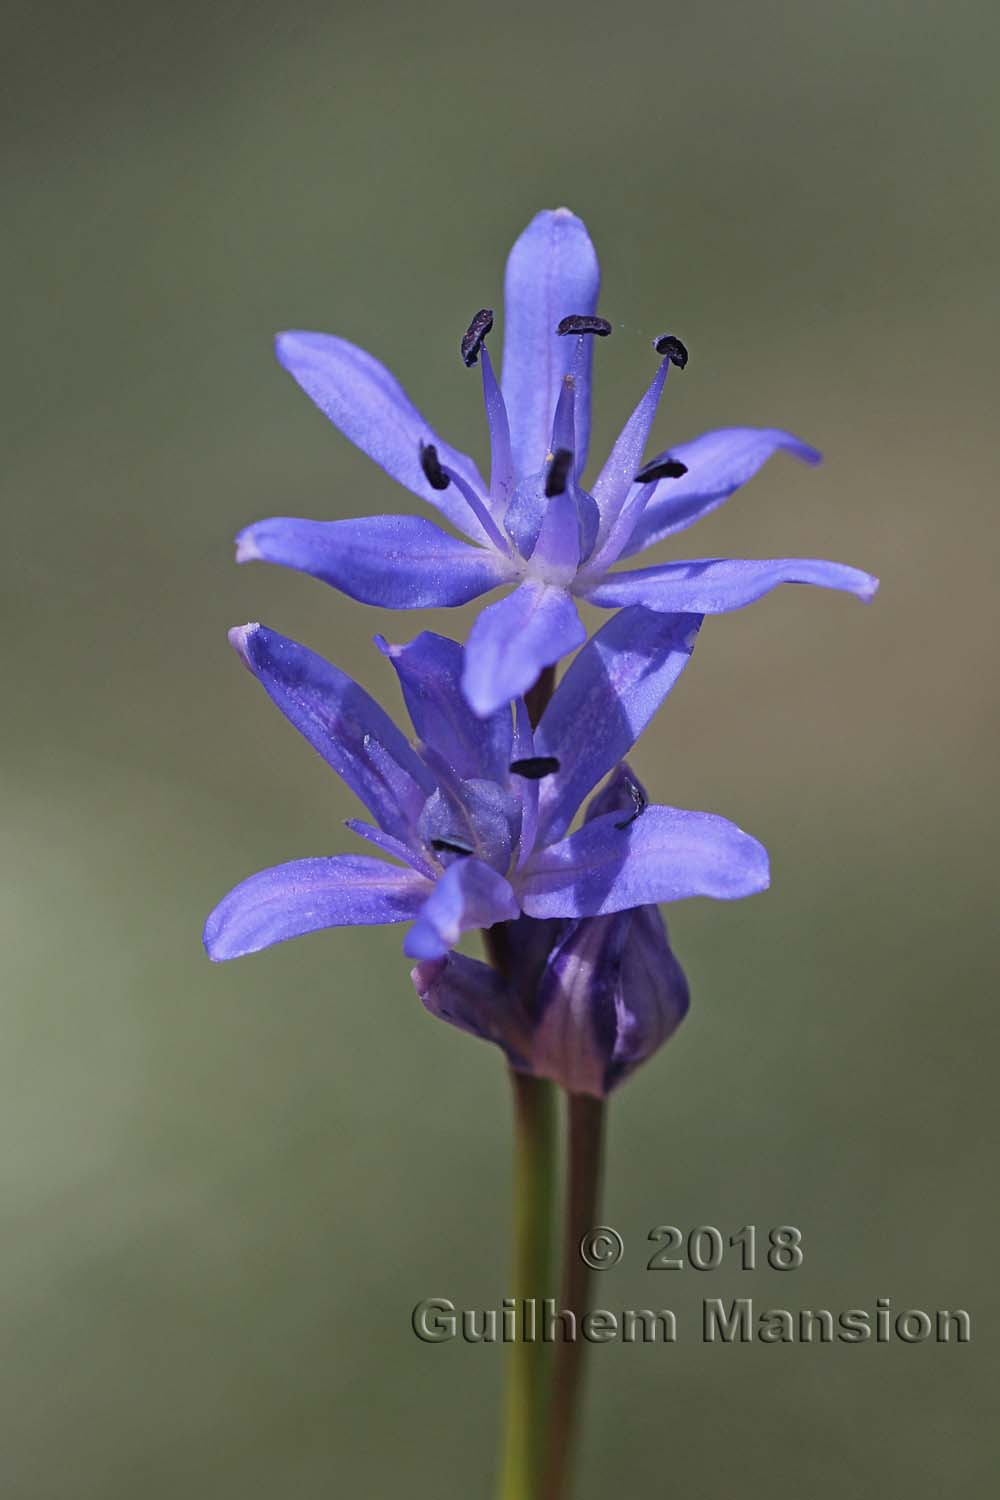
[[555, 479], [639, 804], [671, 346], [472, 339], [584, 323], [431, 465], [664, 468], [534, 767], [452, 846]]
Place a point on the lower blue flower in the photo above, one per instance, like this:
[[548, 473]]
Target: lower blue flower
[[473, 818]]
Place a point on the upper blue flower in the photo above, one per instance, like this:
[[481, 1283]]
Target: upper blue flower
[[534, 525], [476, 816]]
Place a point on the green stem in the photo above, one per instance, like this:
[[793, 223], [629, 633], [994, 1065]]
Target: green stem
[[526, 1400], [583, 1185], [527, 1363]]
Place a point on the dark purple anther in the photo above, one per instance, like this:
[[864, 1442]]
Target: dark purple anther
[[584, 323], [472, 339], [431, 465], [555, 479], [452, 846], [662, 468], [534, 767], [673, 348]]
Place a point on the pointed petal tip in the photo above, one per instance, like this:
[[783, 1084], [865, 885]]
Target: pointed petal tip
[[758, 872], [217, 937], [285, 344], [247, 549], [561, 218], [392, 652], [562, 212], [240, 638], [856, 581], [791, 443], [208, 943], [282, 342]]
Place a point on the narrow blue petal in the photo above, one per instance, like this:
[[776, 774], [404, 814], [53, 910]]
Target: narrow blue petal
[[609, 694], [481, 510], [714, 585], [468, 894], [369, 406], [430, 674], [397, 562], [514, 640], [564, 420], [347, 727], [308, 894], [474, 997], [665, 855], [502, 476], [395, 848], [552, 271], [615, 481], [616, 538], [718, 463]]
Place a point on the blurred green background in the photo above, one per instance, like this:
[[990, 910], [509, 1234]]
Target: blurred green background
[[224, 1188]]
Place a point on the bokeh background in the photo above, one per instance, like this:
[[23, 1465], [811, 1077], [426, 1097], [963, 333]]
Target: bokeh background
[[224, 1189]]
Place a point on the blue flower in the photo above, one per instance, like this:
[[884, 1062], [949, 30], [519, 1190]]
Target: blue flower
[[581, 1002], [475, 819], [534, 525]]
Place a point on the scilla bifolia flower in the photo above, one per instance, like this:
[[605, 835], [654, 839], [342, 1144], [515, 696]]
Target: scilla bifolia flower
[[534, 525], [475, 818], [581, 1002]]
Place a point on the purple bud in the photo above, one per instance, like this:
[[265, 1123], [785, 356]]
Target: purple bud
[[611, 995], [586, 1001]]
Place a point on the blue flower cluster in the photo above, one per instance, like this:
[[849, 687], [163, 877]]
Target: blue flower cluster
[[474, 814]]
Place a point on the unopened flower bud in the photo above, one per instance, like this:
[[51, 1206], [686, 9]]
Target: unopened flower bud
[[611, 994]]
